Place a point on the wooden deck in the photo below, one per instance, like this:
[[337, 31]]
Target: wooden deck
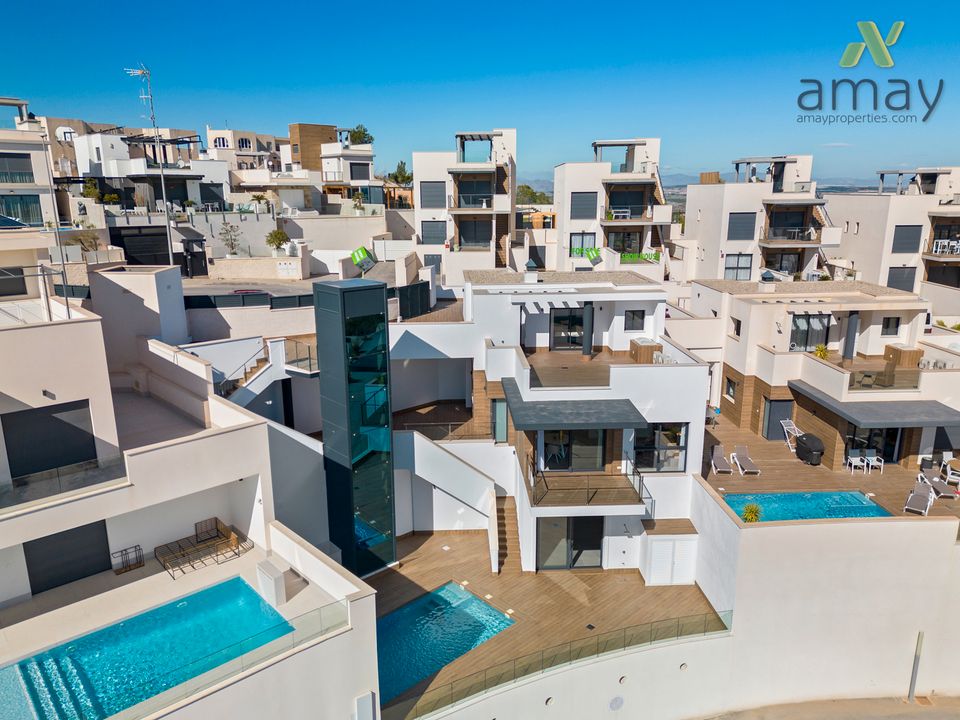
[[445, 420], [443, 311], [782, 472], [570, 368], [554, 489], [549, 608]]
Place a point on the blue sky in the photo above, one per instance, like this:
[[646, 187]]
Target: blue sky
[[714, 80]]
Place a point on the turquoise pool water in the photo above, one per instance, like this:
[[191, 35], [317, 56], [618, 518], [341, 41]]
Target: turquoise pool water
[[416, 640], [100, 674], [807, 506]]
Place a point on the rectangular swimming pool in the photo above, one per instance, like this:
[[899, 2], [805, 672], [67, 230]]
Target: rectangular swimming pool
[[418, 639], [807, 506], [100, 674]]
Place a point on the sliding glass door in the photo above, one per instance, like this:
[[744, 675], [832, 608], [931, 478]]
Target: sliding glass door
[[808, 331], [573, 450], [566, 328], [564, 543]]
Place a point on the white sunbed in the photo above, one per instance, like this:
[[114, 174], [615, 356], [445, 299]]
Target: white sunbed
[[790, 434], [741, 458], [920, 499]]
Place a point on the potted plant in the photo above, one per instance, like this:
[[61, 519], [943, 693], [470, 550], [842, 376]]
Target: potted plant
[[821, 351], [276, 240], [358, 203], [751, 513], [260, 199], [609, 214], [230, 237]]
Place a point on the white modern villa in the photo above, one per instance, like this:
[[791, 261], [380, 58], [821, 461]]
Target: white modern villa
[[436, 481]]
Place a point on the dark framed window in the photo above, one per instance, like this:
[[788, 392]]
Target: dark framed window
[[12, 282], [579, 242], [741, 226], [475, 233], [901, 278], [737, 266], [906, 238], [24, 208], [730, 388], [359, 171], [433, 232], [15, 168], [634, 320], [583, 206], [890, 327], [661, 447], [498, 420], [244, 143], [737, 326], [433, 194], [573, 449], [785, 262]]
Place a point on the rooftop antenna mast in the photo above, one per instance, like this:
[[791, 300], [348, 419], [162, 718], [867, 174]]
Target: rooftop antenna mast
[[146, 95]]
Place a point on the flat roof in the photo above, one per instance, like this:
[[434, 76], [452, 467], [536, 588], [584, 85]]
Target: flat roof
[[765, 159], [569, 414], [481, 135], [620, 143], [914, 171], [620, 278], [793, 201], [883, 413], [826, 290]]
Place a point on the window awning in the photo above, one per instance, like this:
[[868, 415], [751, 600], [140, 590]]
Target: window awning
[[569, 414], [883, 413]]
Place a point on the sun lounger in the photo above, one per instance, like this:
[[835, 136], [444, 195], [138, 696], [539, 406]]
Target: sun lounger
[[718, 462], [932, 478], [790, 433], [741, 458], [919, 500]]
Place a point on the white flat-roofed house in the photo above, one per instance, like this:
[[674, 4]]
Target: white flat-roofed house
[[611, 212], [769, 219], [906, 235], [465, 204]]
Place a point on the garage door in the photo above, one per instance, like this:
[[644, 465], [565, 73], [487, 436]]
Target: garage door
[[48, 437], [70, 555]]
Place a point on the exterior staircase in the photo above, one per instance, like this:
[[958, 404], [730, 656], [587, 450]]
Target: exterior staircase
[[57, 691], [503, 241], [507, 536]]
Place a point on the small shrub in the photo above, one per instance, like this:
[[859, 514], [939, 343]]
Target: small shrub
[[276, 239], [230, 237], [751, 513], [821, 351], [111, 199], [91, 190]]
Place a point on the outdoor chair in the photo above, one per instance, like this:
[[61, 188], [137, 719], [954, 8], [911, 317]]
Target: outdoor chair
[[871, 460], [741, 458], [718, 462], [919, 500], [932, 478]]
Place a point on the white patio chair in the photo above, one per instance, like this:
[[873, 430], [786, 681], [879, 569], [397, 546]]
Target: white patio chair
[[855, 462], [871, 460], [790, 433]]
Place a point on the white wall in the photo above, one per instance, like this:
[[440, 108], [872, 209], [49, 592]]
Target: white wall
[[15, 585], [420, 382], [219, 323], [299, 483]]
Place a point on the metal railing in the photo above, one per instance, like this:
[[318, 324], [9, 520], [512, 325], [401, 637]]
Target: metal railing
[[627, 212], [943, 246], [891, 378], [444, 431], [37, 488], [471, 200], [301, 355], [163, 690], [796, 234], [573, 488], [559, 656], [238, 377]]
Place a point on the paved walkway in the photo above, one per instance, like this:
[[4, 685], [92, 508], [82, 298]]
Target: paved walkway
[[938, 708]]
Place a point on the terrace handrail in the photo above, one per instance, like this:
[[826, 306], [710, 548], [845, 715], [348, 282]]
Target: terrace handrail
[[560, 656]]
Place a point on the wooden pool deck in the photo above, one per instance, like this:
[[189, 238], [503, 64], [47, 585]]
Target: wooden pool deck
[[781, 471], [548, 608]]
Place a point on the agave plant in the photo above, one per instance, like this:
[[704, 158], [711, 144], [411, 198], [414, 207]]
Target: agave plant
[[751, 513]]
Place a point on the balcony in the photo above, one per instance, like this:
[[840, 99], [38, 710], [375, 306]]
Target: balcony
[[943, 249], [557, 489], [32, 490], [636, 214], [475, 203], [332, 176], [794, 236]]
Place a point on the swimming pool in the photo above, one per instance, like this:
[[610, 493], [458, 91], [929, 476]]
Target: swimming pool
[[416, 640], [100, 674], [807, 506]]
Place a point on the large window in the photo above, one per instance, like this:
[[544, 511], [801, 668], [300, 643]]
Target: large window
[[12, 282], [579, 242], [359, 171], [628, 244], [433, 232], [785, 262], [575, 542], [901, 278], [15, 168], [433, 194], [583, 206], [498, 420], [808, 331], [244, 143], [23, 208], [474, 193], [741, 226], [890, 327], [566, 328], [737, 266], [906, 238], [475, 234], [573, 450], [661, 447]]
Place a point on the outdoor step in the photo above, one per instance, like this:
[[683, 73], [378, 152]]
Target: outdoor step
[[69, 707], [41, 695], [89, 708]]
